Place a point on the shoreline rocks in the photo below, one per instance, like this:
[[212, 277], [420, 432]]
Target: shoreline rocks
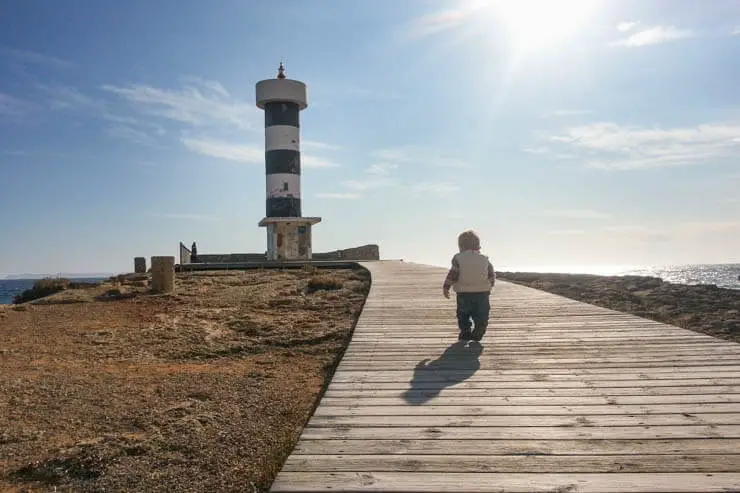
[[703, 308]]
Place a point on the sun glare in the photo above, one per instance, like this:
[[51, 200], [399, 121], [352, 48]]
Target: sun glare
[[534, 24]]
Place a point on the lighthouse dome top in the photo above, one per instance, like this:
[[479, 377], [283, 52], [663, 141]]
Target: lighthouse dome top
[[281, 89]]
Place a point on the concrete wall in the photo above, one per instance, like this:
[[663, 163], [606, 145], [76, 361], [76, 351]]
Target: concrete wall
[[231, 257], [365, 252]]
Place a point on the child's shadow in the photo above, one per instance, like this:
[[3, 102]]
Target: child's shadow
[[458, 363]]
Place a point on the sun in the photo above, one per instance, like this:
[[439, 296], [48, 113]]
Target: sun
[[535, 24]]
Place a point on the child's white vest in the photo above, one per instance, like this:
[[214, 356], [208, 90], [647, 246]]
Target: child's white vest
[[473, 276]]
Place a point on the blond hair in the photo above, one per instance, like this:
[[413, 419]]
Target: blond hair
[[468, 240]]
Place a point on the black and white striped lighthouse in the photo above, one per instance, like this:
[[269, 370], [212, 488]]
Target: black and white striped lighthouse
[[288, 233]]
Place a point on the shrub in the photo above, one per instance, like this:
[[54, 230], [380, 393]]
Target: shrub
[[42, 288], [82, 285], [325, 282]]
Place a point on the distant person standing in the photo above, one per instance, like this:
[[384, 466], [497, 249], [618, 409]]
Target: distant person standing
[[472, 277], [194, 254]]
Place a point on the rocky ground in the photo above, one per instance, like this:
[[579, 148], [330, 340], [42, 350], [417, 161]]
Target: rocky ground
[[114, 389], [701, 308]]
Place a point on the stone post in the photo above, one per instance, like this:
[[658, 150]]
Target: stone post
[[140, 265], [163, 274]]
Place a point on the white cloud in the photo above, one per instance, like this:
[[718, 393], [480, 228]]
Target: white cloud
[[444, 20], [626, 26], [245, 153], [655, 35], [436, 188], [612, 146], [368, 184], [28, 57], [12, 106], [69, 98], [419, 155], [565, 156], [135, 135], [736, 31], [338, 196], [211, 85], [577, 214], [225, 150], [320, 146], [198, 102], [381, 169], [313, 161]]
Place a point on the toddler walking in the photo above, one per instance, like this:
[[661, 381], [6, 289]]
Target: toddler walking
[[472, 277]]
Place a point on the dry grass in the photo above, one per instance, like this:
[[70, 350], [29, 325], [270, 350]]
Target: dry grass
[[204, 390], [324, 282]]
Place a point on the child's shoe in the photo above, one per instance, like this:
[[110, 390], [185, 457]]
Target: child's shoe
[[477, 334]]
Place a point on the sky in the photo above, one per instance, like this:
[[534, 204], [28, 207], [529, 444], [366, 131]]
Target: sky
[[576, 132]]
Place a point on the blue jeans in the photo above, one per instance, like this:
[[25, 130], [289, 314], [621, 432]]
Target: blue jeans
[[475, 308]]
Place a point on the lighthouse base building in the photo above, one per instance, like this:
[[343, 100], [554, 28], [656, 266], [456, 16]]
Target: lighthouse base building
[[288, 233], [289, 238]]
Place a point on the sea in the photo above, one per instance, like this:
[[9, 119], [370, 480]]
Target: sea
[[11, 287], [722, 275]]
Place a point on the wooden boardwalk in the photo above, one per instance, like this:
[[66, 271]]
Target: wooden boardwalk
[[561, 397]]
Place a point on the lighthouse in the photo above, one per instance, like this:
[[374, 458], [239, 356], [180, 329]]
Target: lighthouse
[[288, 233]]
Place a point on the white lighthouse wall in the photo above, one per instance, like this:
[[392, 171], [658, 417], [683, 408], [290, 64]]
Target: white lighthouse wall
[[283, 185], [281, 90], [282, 137]]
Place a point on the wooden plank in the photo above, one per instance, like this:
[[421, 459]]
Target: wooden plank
[[703, 371], [576, 362], [491, 400], [502, 334], [356, 409], [457, 433], [416, 356], [529, 421], [605, 386], [678, 446], [494, 391], [491, 345], [501, 363], [510, 482], [534, 376], [626, 463], [491, 338]]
